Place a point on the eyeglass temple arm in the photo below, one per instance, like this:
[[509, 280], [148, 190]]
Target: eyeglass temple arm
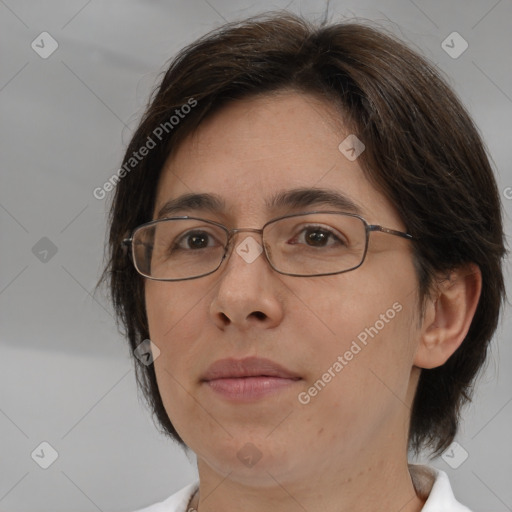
[[382, 229]]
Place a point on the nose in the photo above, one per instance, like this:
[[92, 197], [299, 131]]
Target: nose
[[247, 291]]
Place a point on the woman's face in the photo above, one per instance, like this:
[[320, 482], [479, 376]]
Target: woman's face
[[354, 332]]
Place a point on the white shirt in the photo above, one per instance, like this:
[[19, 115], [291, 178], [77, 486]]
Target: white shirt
[[427, 481]]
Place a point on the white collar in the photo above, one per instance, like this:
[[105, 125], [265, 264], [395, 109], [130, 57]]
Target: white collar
[[433, 485]]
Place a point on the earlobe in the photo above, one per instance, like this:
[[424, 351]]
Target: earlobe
[[448, 316]]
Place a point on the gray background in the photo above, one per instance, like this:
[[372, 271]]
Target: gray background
[[65, 373]]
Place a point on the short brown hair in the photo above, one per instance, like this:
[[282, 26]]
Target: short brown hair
[[423, 153]]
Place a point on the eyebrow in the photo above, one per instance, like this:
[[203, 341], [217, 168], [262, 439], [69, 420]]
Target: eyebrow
[[293, 199]]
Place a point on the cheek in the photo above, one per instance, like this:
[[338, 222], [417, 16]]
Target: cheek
[[360, 382], [369, 320], [175, 328], [160, 308], [354, 306], [172, 310]]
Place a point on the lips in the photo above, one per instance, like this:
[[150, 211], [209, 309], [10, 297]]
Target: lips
[[248, 380], [248, 367]]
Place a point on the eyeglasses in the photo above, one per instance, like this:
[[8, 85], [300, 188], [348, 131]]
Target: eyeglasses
[[303, 245]]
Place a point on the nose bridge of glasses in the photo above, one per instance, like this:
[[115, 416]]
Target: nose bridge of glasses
[[230, 245], [235, 231], [252, 230], [248, 251]]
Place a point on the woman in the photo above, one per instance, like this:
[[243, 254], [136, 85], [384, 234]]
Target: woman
[[307, 228]]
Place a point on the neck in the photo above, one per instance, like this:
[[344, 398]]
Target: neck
[[379, 487]]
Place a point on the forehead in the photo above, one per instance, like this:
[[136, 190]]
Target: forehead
[[252, 153]]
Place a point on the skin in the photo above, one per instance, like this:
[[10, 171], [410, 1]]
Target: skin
[[347, 448]]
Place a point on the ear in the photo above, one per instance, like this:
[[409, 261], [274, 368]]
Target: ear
[[448, 316]]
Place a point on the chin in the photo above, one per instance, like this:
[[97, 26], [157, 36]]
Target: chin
[[251, 460]]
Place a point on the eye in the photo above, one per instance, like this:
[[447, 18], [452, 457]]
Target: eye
[[196, 239], [317, 236]]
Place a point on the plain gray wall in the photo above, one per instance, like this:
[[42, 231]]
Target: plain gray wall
[[65, 373]]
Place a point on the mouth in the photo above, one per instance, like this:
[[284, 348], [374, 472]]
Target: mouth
[[248, 379]]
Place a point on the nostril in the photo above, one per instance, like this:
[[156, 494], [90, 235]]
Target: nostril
[[260, 315]]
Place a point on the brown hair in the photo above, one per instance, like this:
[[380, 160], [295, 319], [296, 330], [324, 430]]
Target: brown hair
[[422, 152]]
